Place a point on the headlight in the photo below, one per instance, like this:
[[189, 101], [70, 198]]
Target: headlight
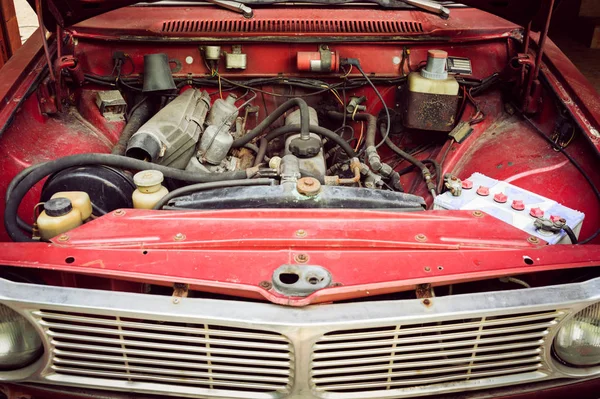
[[20, 343], [578, 341]]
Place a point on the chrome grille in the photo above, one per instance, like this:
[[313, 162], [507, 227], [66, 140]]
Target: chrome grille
[[176, 353], [406, 356]]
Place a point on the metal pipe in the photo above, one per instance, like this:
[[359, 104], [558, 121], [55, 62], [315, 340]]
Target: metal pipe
[[38, 8]]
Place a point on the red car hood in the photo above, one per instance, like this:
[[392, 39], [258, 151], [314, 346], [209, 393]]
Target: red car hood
[[70, 12], [238, 252]]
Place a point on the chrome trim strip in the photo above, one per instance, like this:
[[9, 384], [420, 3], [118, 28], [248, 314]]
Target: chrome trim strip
[[304, 327]]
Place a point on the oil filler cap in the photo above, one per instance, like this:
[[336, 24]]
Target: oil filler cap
[[305, 148], [58, 207]]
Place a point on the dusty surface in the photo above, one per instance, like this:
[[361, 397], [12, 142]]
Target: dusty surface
[[27, 19]]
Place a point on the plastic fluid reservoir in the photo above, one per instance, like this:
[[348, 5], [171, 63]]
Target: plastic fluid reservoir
[[80, 201], [58, 217], [149, 189], [431, 101]]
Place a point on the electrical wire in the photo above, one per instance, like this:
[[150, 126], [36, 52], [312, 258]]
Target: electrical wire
[[574, 163], [387, 112]]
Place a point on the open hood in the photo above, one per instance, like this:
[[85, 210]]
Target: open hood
[[70, 12]]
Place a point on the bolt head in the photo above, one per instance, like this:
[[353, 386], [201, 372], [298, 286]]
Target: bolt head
[[421, 237], [483, 191], [179, 237], [536, 212], [500, 198], [467, 184], [301, 233], [518, 205]]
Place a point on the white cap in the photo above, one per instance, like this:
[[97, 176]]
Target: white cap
[[148, 178]]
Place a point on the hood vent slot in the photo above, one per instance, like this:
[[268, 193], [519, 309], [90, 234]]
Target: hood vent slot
[[292, 26]]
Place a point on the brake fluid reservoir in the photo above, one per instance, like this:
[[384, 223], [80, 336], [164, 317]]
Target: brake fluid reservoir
[[149, 189], [80, 201], [431, 99], [57, 218]]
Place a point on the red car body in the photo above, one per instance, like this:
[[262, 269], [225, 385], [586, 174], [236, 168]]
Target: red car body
[[233, 253]]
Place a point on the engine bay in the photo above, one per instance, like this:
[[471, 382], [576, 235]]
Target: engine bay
[[219, 126]]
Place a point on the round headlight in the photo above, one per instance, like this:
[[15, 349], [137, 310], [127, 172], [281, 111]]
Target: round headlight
[[578, 341], [20, 343]]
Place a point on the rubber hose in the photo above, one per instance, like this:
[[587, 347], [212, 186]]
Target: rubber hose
[[406, 156], [194, 188], [40, 171], [366, 117], [262, 151], [139, 116], [313, 129], [16, 180], [273, 116]]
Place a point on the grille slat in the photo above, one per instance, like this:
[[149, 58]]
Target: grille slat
[[406, 356], [411, 340], [292, 26], [171, 347], [421, 364], [186, 381], [426, 381], [429, 347], [163, 363], [205, 356], [131, 369], [434, 370], [163, 337], [86, 349], [158, 327], [446, 327], [414, 356]]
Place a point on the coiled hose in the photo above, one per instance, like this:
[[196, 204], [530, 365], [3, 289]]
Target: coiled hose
[[38, 172]]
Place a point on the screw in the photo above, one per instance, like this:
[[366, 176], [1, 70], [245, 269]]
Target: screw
[[421, 237], [179, 237], [63, 238], [478, 214], [533, 240], [301, 258], [335, 285], [301, 233], [176, 300], [426, 302], [119, 212], [265, 285], [427, 269]]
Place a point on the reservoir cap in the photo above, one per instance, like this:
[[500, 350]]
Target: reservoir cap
[[58, 207]]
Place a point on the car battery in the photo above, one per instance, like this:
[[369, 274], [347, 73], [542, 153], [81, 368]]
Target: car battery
[[513, 205]]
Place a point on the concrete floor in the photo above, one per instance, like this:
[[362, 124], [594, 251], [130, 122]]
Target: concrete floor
[[587, 60]]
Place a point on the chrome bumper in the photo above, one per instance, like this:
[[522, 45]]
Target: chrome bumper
[[235, 349]]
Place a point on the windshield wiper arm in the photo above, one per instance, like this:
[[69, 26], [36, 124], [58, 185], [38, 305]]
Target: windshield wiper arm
[[234, 6], [429, 6]]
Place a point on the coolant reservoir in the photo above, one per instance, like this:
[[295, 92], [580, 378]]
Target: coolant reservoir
[[149, 189], [431, 101], [57, 218], [80, 201]]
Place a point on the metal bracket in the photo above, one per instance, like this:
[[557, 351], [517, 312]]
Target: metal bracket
[[180, 291]]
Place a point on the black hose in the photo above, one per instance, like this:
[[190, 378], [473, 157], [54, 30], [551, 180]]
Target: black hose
[[313, 129], [138, 117], [194, 188], [262, 151], [16, 180], [273, 116], [20, 189]]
